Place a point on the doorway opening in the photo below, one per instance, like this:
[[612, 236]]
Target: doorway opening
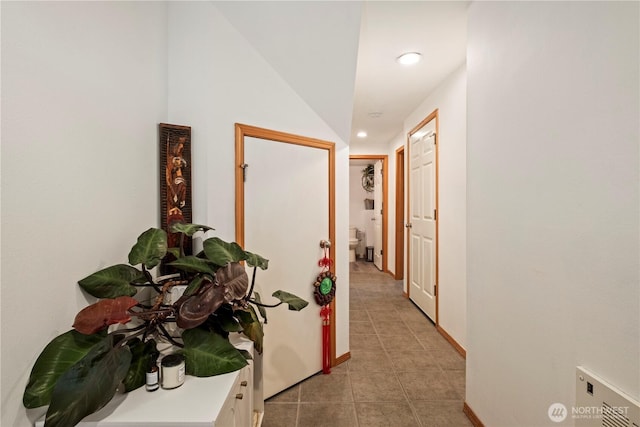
[[400, 223], [365, 215]]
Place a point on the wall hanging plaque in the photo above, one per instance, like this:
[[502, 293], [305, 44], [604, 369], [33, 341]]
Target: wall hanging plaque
[[175, 182]]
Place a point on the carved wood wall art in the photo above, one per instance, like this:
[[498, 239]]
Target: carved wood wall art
[[175, 180]]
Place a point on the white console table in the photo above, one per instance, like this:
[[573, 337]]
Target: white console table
[[228, 400]]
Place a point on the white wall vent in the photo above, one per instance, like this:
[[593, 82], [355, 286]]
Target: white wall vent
[[600, 404]]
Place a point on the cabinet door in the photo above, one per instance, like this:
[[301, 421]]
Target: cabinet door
[[237, 410], [244, 405], [227, 415]]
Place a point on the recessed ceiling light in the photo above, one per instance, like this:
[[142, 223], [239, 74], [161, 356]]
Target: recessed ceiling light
[[409, 58], [361, 134]]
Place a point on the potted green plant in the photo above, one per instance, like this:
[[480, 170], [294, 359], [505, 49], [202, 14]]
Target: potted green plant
[[115, 340]]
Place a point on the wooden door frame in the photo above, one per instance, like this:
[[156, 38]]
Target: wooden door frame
[[385, 199], [400, 223], [242, 131], [430, 117]]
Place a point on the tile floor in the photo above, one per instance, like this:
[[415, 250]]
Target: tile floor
[[401, 372]]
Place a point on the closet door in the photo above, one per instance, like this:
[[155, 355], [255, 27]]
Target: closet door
[[422, 219]]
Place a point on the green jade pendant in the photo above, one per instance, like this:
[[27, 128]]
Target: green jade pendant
[[325, 286]]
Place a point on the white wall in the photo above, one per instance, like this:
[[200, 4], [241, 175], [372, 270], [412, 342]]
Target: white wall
[[363, 147], [216, 78], [83, 89], [552, 204]]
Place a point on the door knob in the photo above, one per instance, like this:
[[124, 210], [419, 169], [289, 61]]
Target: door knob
[[408, 225], [325, 244]]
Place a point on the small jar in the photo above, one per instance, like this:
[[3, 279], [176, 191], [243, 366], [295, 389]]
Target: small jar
[[173, 371], [152, 378]]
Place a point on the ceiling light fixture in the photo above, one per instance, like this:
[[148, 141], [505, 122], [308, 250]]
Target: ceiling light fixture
[[361, 134], [409, 58]]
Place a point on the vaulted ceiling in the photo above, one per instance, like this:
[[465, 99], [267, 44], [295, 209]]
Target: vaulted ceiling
[[340, 56]]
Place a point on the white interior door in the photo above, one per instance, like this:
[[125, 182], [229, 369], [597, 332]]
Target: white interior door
[[377, 214], [422, 219], [286, 215]]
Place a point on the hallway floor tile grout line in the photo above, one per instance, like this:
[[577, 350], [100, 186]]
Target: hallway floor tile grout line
[[402, 372]]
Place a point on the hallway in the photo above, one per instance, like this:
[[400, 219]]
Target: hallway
[[402, 372]]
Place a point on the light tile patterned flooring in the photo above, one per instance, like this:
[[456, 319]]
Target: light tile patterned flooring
[[402, 372]]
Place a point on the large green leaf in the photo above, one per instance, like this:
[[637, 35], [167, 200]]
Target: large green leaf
[[261, 309], [295, 302], [58, 356], [226, 320], [251, 326], [175, 252], [89, 384], [207, 353], [255, 260], [229, 324], [112, 282], [194, 285], [144, 354], [221, 252], [150, 248], [193, 264], [188, 229]]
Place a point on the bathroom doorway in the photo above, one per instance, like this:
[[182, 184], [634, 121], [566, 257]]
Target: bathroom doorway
[[364, 215]]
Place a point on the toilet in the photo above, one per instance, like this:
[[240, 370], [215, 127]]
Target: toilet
[[353, 243]]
